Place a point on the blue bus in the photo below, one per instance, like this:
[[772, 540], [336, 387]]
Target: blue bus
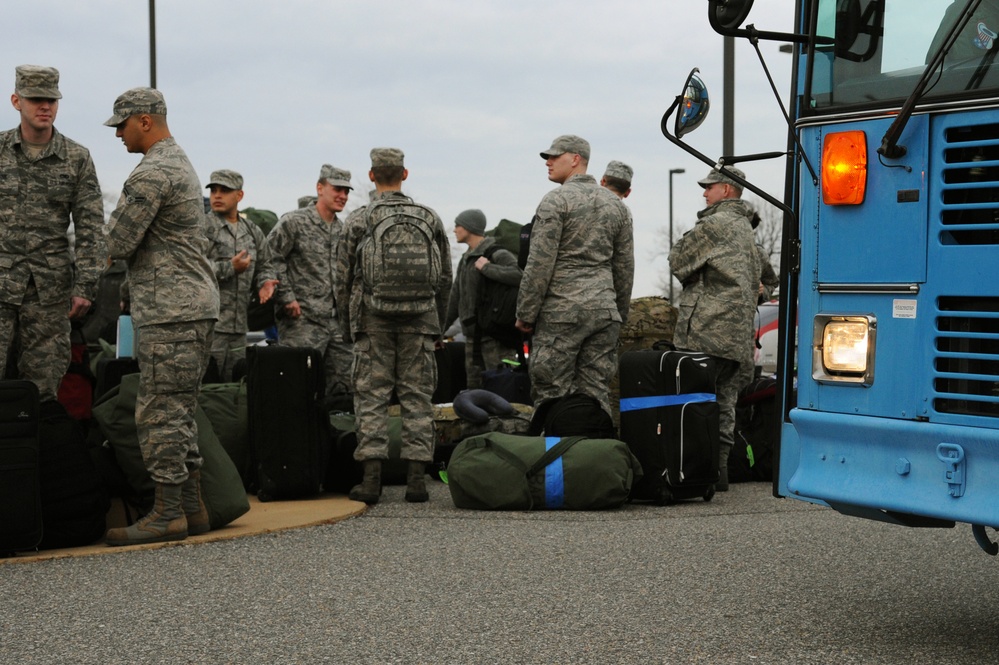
[[890, 258]]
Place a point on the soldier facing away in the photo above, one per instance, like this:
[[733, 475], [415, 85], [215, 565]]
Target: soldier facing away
[[46, 181], [395, 319], [576, 288], [158, 228]]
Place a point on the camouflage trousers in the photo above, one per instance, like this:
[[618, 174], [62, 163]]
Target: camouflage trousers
[[337, 356], [172, 359], [227, 349], [493, 353], [574, 358], [40, 334], [402, 363], [729, 379]]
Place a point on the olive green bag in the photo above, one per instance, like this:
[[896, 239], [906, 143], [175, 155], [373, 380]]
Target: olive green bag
[[222, 489], [510, 472]]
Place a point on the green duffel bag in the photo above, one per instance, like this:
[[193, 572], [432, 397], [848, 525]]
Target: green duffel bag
[[225, 406], [510, 472], [222, 488]]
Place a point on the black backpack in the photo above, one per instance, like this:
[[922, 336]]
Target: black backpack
[[577, 414], [496, 309]]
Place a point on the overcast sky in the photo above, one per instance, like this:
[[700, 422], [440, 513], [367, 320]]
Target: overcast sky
[[470, 90]]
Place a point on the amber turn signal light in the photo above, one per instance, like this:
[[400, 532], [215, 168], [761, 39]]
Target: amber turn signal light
[[844, 168]]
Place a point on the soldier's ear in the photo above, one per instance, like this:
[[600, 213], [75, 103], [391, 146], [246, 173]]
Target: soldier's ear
[[15, 101], [405, 173]]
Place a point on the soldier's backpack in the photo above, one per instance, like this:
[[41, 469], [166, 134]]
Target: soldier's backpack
[[496, 309], [400, 263]]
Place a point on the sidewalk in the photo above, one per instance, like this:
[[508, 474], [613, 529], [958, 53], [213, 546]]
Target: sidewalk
[[262, 518]]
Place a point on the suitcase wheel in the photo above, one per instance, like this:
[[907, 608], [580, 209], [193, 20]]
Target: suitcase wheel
[[264, 497], [663, 496], [710, 493]]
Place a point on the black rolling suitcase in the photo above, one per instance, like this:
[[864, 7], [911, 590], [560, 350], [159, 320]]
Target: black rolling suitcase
[[288, 424], [20, 484], [669, 419]]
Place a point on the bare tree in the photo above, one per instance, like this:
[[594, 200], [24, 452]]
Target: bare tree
[[770, 231]]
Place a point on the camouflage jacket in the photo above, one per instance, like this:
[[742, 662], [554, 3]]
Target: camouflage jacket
[[38, 198], [303, 252], [235, 291], [582, 260], [158, 228], [719, 266], [350, 285], [502, 268]]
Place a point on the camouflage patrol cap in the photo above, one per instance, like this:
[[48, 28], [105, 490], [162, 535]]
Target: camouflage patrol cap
[[568, 143], [305, 201], [137, 101], [619, 170], [386, 157], [226, 178], [35, 81], [331, 175], [718, 176]]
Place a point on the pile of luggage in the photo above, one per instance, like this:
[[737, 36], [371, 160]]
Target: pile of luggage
[[275, 435]]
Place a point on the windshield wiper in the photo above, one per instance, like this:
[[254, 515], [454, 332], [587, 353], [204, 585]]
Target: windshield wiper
[[889, 142]]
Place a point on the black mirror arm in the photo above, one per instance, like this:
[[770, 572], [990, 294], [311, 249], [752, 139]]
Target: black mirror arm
[[664, 126], [787, 120]]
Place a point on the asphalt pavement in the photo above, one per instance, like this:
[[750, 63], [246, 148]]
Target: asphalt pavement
[[744, 578]]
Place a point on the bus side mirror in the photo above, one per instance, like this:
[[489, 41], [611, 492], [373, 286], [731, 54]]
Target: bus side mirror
[[727, 15], [693, 106]]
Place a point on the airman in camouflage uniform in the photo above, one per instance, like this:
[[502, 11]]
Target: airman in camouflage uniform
[[484, 352], [45, 181], [242, 262], [390, 353], [617, 178], [719, 267], [156, 228], [303, 250], [576, 288]]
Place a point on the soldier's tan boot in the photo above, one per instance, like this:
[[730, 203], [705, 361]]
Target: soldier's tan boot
[[370, 488], [416, 483], [194, 505], [165, 522]]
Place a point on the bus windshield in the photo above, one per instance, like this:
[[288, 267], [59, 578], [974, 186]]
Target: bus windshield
[[882, 47]]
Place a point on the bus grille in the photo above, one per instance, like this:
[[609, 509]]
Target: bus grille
[[970, 214], [966, 379]]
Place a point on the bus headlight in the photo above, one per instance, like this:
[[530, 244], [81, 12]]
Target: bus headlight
[[843, 348]]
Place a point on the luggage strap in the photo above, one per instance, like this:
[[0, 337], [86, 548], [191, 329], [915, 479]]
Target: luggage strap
[[638, 403], [554, 481]]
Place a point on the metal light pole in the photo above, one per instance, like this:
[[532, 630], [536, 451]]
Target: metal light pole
[[671, 172], [152, 43]]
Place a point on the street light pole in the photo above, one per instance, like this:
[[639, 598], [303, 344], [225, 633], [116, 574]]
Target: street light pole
[[152, 43], [671, 172]]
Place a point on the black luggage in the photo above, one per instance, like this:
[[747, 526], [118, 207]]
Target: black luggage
[[288, 424], [110, 371], [757, 428], [451, 379], [20, 496], [669, 418], [74, 498]]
